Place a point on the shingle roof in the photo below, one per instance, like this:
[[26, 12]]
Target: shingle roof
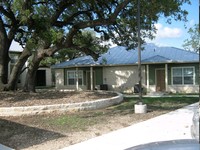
[[120, 56]]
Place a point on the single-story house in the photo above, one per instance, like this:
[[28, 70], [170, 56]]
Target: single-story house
[[43, 75], [165, 69]]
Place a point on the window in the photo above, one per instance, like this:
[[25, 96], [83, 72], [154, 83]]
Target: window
[[183, 75], [71, 77]]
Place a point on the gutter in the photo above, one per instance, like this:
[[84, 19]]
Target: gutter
[[134, 64]]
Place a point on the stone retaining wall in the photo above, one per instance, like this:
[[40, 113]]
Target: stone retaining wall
[[61, 108]]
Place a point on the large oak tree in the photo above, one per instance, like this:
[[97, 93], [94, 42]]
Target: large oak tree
[[45, 27]]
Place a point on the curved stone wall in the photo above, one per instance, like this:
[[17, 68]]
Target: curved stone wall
[[61, 108]]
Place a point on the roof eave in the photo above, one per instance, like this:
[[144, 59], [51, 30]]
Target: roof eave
[[132, 64], [171, 62], [74, 66]]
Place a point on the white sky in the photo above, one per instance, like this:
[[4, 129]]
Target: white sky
[[15, 46]]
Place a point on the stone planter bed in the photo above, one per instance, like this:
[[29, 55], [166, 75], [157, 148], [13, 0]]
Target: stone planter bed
[[61, 108]]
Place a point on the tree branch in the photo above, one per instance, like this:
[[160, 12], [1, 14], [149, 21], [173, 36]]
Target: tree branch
[[7, 14], [2, 30], [105, 21], [62, 6], [70, 19]]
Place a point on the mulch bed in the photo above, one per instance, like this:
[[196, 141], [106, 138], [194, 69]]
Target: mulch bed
[[19, 98]]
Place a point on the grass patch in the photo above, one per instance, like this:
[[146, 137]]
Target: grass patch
[[159, 103], [80, 121], [72, 122]]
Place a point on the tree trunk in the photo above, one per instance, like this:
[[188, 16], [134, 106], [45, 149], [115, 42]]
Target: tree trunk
[[17, 69], [29, 85], [4, 71], [39, 54], [4, 58], [6, 38]]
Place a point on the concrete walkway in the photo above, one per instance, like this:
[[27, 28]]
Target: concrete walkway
[[171, 126]]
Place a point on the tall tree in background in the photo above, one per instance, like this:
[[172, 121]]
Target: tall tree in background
[[9, 26], [193, 43], [46, 27]]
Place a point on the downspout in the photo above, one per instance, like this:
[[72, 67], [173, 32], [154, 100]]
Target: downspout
[[148, 90], [77, 88], [166, 77], [91, 79]]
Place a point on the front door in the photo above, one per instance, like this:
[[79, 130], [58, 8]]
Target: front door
[[160, 80], [41, 78]]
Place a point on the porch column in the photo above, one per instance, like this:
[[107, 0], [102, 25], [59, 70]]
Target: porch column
[[91, 78], [166, 77], [77, 79], [148, 78]]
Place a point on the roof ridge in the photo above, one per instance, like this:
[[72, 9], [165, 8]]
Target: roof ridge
[[183, 50], [155, 56]]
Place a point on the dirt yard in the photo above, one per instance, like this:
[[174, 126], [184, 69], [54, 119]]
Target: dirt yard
[[55, 131], [10, 99]]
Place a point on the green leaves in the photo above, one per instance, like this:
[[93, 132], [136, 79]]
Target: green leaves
[[193, 43], [53, 20], [56, 35]]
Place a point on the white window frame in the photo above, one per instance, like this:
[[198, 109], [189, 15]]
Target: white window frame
[[74, 71], [182, 68]]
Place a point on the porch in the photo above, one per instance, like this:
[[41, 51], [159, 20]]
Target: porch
[[172, 77], [79, 78]]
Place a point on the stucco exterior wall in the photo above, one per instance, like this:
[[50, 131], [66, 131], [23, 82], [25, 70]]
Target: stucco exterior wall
[[178, 88], [122, 78], [183, 88]]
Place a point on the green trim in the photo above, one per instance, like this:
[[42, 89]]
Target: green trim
[[195, 65], [98, 74], [153, 67], [152, 73]]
